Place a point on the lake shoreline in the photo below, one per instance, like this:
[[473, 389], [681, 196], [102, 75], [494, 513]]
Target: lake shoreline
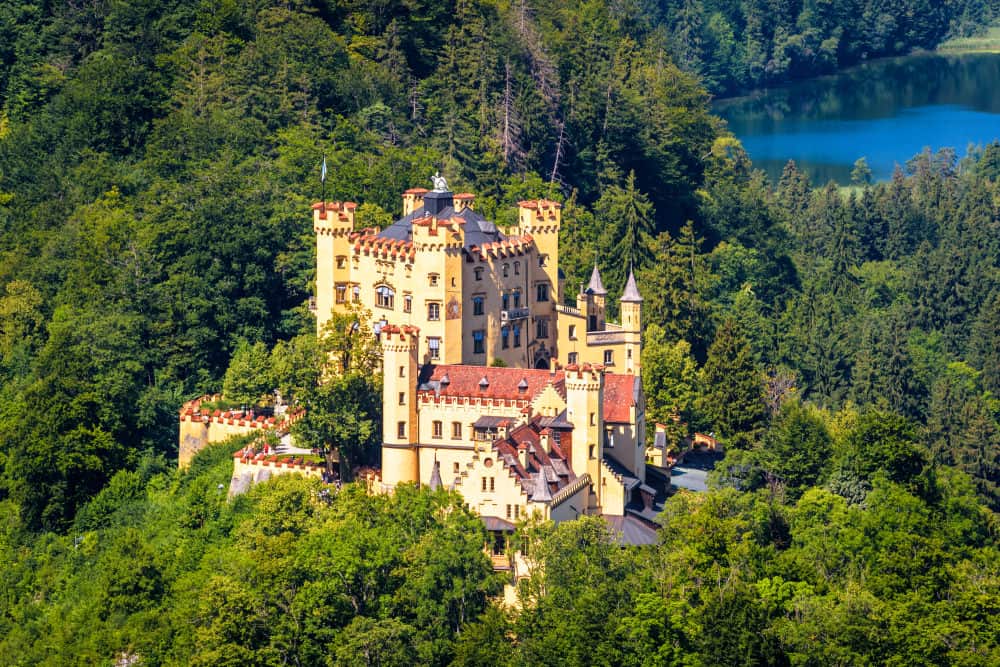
[[886, 110]]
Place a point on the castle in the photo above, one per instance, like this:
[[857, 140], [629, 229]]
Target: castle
[[478, 295], [491, 386]]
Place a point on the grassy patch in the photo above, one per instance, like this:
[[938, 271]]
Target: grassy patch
[[988, 42]]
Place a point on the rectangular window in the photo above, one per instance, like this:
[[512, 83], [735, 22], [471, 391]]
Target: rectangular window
[[504, 338], [356, 294], [508, 512], [609, 357], [432, 279], [572, 332], [479, 273], [517, 298], [542, 292], [517, 268], [434, 311], [517, 335], [493, 485], [484, 483], [506, 270], [479, 342], [437, 429], [456, 430], [434, 347], [478, 305], [541, 328], [572, 357], [517, 511], [341, 261], [402, 398], [505, 301], [407, 303], [401, 429], [341, 291]]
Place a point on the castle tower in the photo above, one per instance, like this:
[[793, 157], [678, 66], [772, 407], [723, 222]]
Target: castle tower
[[631, 315], [413, 199], [332, 223], [585, 410], [591, 301], [438, 237], [400, 461], [541, 219]]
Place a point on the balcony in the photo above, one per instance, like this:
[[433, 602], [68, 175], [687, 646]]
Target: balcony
[[514, 314]]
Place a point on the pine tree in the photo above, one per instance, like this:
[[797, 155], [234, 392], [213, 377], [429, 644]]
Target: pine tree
[[733, 389]]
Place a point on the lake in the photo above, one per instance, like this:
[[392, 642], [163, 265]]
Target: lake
[[885, 110]]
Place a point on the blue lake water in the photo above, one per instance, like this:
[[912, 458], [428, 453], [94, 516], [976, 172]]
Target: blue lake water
[[885, 111]]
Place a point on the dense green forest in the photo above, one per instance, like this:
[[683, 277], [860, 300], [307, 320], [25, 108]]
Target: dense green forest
[[157, 161]]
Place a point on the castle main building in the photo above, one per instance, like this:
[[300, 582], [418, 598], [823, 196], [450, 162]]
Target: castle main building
[[492, 386], [479, 295]]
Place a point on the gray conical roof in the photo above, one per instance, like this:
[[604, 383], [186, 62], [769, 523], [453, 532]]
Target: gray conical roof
[[596, 286], [541, 493], [436, 483], [631, 293]]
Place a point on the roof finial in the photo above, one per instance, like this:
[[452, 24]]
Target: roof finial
[[440, 184]]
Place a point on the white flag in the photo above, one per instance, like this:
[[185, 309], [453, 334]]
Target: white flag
[[322, 171]]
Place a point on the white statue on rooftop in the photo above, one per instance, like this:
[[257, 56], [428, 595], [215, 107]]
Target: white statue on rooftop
[[440, 184]]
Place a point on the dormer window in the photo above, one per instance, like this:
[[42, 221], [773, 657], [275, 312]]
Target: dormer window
[[484, 384]]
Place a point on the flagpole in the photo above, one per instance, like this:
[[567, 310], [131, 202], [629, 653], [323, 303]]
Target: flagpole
[[322, 180]]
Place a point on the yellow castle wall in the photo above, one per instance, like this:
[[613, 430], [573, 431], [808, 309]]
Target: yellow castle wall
[[435, 270]]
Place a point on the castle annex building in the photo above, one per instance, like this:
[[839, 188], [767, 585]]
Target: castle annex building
[[479, 295], [518, 442]]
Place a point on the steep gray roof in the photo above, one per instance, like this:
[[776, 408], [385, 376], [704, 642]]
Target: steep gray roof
[[596, 286], [478, 230], [631, 293], [436, 483]]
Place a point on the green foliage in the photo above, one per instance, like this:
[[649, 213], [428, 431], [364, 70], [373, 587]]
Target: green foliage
[[248, 378], [732, 398]]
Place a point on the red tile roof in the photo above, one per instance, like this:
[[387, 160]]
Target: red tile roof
[[502, 383], [619, 397]]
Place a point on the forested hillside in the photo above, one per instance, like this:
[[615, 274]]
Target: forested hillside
[[157, 162]]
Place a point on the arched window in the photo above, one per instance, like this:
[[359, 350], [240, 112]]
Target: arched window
[[385, 296]]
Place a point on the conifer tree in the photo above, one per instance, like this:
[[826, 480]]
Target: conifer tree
[[733, 389]]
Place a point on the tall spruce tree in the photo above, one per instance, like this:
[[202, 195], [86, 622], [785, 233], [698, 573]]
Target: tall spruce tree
[[733, 389]]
